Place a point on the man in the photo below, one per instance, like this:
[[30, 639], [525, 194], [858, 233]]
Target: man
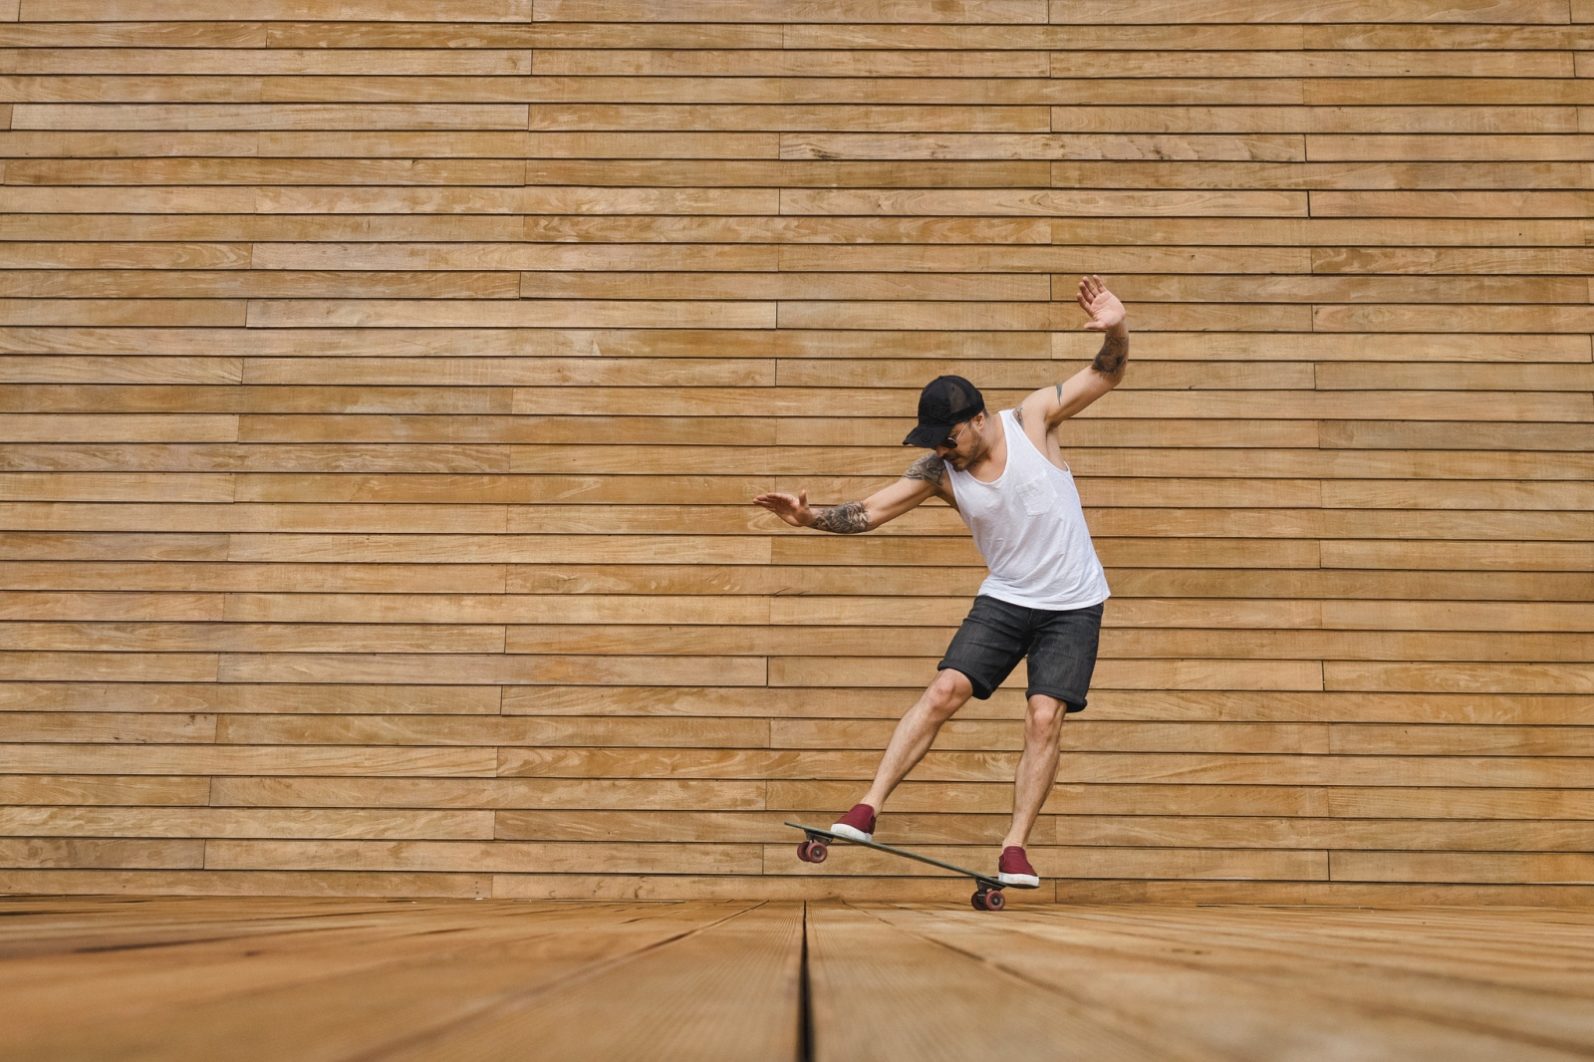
[[1043, 597]]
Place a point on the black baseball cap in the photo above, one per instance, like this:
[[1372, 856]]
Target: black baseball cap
[[945, 402]]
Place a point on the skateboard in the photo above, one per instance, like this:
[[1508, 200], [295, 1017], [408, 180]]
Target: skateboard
[[988, 897]]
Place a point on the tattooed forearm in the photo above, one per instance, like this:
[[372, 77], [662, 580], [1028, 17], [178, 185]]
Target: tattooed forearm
[[847, 519], [929, 468], [1114, 352]]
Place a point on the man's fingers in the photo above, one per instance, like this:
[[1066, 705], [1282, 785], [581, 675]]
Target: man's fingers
[[1094, 299], [1090, 289], [784, 506]]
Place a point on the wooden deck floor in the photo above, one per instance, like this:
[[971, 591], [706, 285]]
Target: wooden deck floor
[[261, 978]]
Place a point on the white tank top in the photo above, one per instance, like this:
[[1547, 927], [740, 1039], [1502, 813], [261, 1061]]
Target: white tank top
[[1030, 528]]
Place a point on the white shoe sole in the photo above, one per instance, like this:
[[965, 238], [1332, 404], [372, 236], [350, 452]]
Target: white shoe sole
[[1027, 881], [841, 829]]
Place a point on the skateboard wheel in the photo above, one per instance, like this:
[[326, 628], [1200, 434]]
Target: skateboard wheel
[[978, 900], [994, 900], [812, 851]]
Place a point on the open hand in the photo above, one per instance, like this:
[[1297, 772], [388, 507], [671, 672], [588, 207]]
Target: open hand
[[791, 508], [1105, 310]]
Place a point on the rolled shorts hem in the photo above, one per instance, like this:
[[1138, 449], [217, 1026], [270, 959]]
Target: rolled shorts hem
[[1073, 702], [982, 692]]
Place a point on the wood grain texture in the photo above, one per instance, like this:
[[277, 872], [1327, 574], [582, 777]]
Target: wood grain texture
[[384, 393], [712, 976], [1138, 11], [270, 10]]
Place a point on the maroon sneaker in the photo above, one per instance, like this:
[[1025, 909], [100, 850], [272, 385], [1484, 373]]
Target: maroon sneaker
[[857, 824], [1014, 869]]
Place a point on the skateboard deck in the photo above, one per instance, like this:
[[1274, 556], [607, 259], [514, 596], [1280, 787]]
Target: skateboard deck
[[988, 898]]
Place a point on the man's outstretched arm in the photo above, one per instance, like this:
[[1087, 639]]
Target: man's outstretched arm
[[918, 484]]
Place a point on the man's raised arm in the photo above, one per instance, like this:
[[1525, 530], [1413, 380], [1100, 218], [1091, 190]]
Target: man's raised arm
[[1058, 403], [918, 484]]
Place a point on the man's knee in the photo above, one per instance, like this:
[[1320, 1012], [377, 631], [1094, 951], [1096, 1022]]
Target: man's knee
[[949, 692], [1044, 717]]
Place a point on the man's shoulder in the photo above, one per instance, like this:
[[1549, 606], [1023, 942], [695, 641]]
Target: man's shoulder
[[929, 468], [1034, 425], [932, 471]]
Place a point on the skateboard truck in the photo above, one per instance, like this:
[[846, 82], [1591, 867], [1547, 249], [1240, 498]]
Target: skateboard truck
[[815, 848]]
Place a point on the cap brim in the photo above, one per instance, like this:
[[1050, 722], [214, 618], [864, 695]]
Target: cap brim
[[928, 436]]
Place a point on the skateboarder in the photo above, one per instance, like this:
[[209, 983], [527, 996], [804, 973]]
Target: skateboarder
[[1006, 478]]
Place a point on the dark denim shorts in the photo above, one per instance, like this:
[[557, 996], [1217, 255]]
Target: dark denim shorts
[[996, 635]]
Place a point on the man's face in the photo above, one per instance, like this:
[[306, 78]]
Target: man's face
[[959, 447]]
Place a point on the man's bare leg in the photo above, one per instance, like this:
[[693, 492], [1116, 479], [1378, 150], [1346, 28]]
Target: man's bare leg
[[916, 731], [1037, 768]]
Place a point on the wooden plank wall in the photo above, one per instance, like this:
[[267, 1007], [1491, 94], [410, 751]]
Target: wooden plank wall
[[382, 398]]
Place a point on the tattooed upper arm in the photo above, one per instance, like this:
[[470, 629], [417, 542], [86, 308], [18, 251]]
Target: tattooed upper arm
[[929, 468], [887, 503]]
